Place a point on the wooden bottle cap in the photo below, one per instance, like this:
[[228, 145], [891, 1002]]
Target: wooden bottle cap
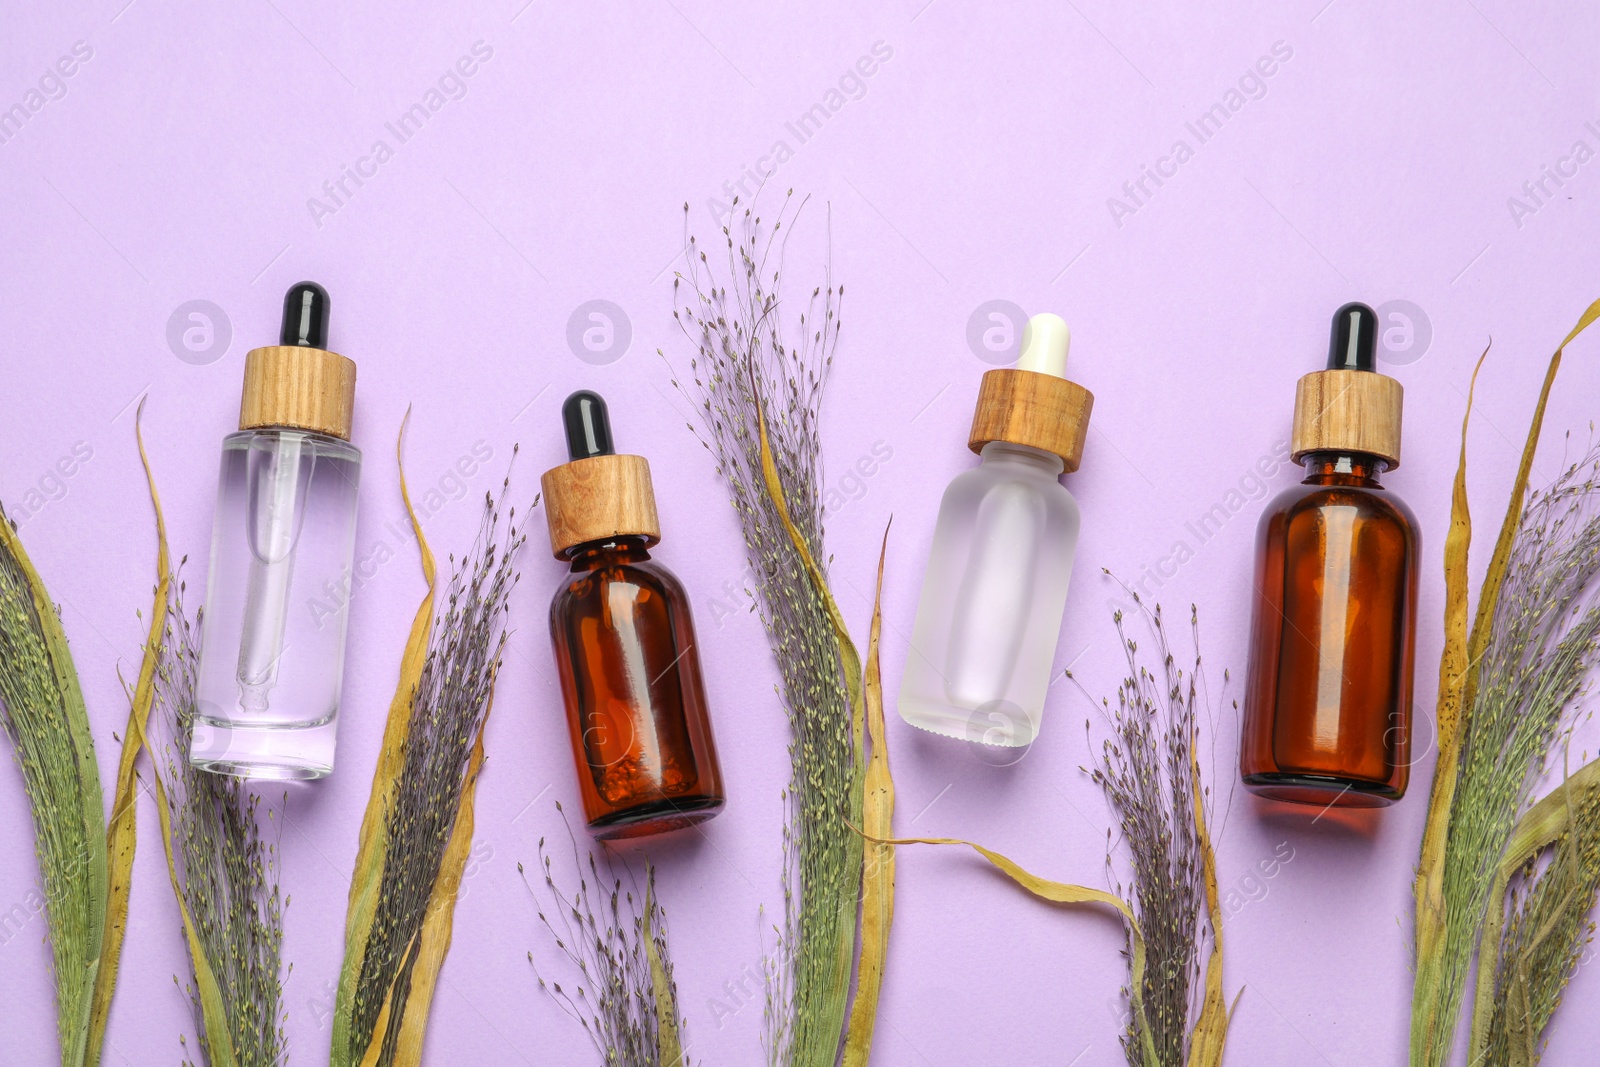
[[1025, 407], [1348, 411], [599, 498], [298, 388]]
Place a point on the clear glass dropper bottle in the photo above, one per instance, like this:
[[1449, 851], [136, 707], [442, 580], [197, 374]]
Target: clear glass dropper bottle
[[283, 541], [996, 583]]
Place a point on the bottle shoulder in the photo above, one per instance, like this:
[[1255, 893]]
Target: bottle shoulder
[[1373, 503], [321, 444], [977, 482], [646, 575]]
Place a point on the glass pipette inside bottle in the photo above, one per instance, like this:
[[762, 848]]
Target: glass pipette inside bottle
[[279, 476]]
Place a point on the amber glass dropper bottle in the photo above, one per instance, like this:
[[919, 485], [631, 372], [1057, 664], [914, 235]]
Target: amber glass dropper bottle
[[1327, 715], [624, 643]]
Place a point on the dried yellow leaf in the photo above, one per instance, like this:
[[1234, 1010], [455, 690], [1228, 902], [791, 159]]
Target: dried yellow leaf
[[440, 921], [877, 872], [219, 1042], [1211, 1028], [1453, 671], [1067, 893], [368, 873], [122, 829], [669, 1043]]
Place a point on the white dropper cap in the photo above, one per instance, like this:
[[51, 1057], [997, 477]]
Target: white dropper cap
[[1044, 345]]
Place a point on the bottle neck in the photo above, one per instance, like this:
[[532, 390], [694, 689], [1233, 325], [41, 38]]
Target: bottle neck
[[1006, 452], [1343, 468], [594, 554]]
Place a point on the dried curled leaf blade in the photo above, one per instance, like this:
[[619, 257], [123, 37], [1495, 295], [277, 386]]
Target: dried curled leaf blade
[[1490, 591], [1457, 546], [219, 1041], [1211, 1028], [1545, 823], [669, 1042], [1066, 893], [434, 940], [877, 875], [374, 1049], [1499, 561], [122, 830], [370, 854]]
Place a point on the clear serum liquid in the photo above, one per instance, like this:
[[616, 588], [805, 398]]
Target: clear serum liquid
[[283, 538]]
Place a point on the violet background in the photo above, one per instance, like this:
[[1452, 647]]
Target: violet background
[[974, 164]]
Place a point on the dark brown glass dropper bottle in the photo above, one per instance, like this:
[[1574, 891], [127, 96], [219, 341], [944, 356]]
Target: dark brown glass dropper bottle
[[624, 643], [1327, 714]]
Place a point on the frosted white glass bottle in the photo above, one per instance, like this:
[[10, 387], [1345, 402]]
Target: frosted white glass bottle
[[283, 541], [995, 588]]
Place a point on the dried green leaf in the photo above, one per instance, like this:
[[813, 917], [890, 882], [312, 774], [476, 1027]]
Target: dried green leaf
[[48, 726]]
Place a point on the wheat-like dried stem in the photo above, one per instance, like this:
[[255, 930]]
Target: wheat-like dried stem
[[227, 866], [447, 712], [1543, 641], [730, 306]]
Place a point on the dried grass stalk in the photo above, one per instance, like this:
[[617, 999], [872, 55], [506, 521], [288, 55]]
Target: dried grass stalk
[[226, 873], [49, 731], [1504, 689], [1530, 950], [1150, 772], [759, 399], [417, 830], [85, 866], [625, 997]]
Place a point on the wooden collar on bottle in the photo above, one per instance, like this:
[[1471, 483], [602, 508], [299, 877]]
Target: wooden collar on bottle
[[1024, 407], [298, 388], [1348, 411], [598, 499]]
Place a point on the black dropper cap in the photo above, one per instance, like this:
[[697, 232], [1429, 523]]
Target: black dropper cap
[[305, 316], [1353, 344], [587, 424]]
